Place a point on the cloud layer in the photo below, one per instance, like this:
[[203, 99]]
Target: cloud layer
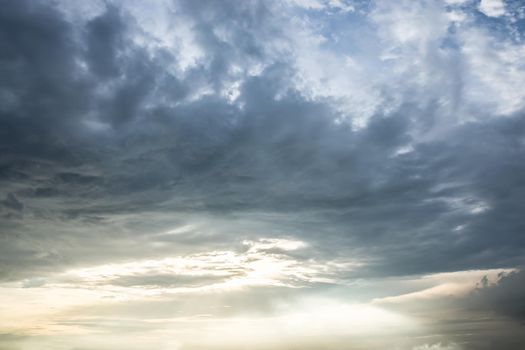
[[289, 148]]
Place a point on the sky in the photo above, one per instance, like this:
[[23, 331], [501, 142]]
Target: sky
[[273, 174]]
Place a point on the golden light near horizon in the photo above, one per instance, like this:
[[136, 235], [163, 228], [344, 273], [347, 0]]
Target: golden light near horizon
[[42, 307]]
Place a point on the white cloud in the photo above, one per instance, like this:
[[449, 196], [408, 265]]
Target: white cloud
[[274, 243], [342, 5], [493, 75], [492, 8], [438, 346], [264, 263]]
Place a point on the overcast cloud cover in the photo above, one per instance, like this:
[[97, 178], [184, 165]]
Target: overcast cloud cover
[[288, 174]]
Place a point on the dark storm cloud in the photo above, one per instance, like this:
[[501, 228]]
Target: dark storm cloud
[[500, 311], [97, 133], [46, 96], [12, 203], [491, 315], [506, 297], [104, 40]]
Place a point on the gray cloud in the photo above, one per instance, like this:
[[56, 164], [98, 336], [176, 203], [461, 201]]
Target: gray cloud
[[505, 297], [12, 203], [112, 139]]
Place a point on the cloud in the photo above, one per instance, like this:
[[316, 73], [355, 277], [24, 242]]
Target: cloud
[[505, 296], [314, 144], [12, 203], [492, 8], [123, 128], [33, 283], [438, 346], [445, 286], [267, 262]]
